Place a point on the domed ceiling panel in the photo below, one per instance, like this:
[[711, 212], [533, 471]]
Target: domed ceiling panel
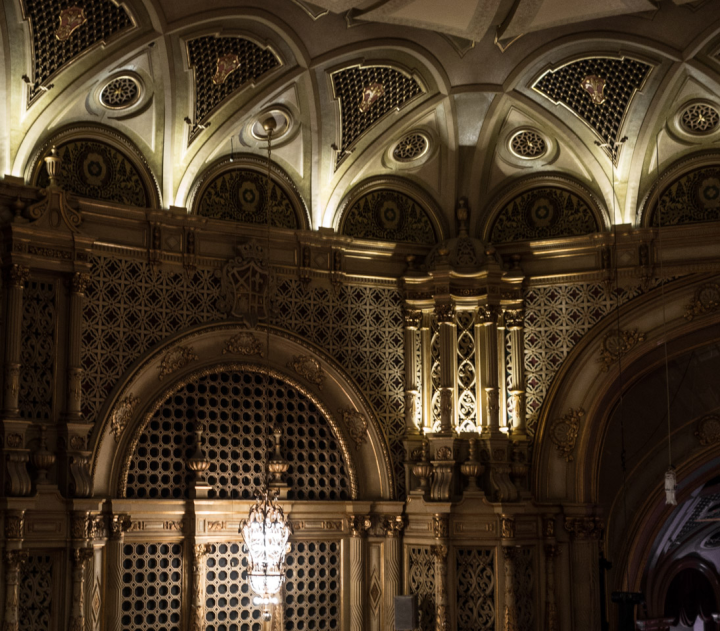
[[223, 65], [388, 215], [61, 32], [692, 198], [366, 95], [543, 213], [598, 90]]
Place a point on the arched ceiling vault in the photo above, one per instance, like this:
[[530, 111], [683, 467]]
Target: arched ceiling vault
[[475, 95]]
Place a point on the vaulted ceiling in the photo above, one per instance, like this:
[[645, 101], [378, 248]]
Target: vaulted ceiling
[[463, 101]]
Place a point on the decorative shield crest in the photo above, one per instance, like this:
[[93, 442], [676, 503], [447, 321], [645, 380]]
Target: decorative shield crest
[[371, 93], [226, 65], [595, 87], [71, 19], [245, 281]]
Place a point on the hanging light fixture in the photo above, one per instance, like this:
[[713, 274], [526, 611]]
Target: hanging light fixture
[[266, 531]]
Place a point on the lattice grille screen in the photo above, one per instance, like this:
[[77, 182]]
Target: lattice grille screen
[[38, 351], [466, 373], [435, 374], [525, 596], [311, 591], [104, 19], [421, 578], [152, 587], [35, 593], [231, 407], [475, 571]]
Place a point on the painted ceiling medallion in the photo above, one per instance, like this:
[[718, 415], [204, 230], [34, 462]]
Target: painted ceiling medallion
[[71, 19], [371, 93], [595, 87], [226, 65]]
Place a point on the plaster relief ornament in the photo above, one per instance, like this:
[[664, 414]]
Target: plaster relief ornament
[[371, 93], [616, 344], [226, 65], [564, 433], [175, 359], [71, 19], [708, 431], [122, 414], [707, 300], [595, 87], [357, 426], [308, 367], [243, 344], [244, 284]]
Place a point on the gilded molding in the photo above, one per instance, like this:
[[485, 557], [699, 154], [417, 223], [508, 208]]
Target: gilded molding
[[616, 344], [564, 432]]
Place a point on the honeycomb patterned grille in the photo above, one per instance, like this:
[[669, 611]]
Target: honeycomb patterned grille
[[120, 93], [151, 587], [411, 147], [528, 144], [348, 87], [231, 408], [213, 88], [623, 77], [311, 590], [49, 54], [700, 118]]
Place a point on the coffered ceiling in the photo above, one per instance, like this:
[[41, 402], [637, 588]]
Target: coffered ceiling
[[466, 100]]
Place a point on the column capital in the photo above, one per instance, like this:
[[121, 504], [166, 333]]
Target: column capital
[[17, 275], [80, 556], [445, 313], [412, 318], [79, 282], [581, 528], [393, 525], [514, 318], [487, 315], [359, 525], [14, 559]]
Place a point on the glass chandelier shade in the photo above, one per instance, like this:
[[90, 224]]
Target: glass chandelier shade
[[266, 533]]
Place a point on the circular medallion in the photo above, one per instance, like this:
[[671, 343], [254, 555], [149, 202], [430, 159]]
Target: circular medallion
[[528, 144], [389, 215], [121, 93], [411, 147], [707, 191], [542, 212], [248, 196], [94, 167], [700, 118]]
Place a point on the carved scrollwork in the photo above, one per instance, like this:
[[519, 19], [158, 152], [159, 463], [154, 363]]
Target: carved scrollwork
[[243, 343], [564, 433], [707, 300], [617, 344], [309, 368], [122, 414], [356, 425], [175, 359]]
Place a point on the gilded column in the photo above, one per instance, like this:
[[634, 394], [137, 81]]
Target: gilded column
[[584, 535], [441, 529], [197, 604], [78, 287], [515, 323], [114, 552], [80, 557], [393, 526], [487, 316], [445, 314], [413, 320], [14, 560], [17, 277], [358, 529]]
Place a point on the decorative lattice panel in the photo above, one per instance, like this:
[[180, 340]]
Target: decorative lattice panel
[[363, 103], [388, 215], [96, 170], [121, 93], [242, 195], [543, 214], [602, 108], [467, 403], [152, 587], [362, 328], [421, 578], [311, 591], [221, 66], [38, 351], [232, 409], [50, 22], [35, 593], [556, 318], [700, 118], [129, 308], [692, 198], [528, 144], [411, 147], [475, 593], [525, 595]]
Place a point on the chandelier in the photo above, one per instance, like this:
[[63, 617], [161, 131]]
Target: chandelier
[[266, 533]]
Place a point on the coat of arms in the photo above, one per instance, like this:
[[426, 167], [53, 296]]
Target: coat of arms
[[226, 65], [245, 282], [71, 19], [371, 93], [595, 87]]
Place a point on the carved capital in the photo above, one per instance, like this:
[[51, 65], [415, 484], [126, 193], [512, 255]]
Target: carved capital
[[17, 276], [581, 528], [487, 315], [200, 551], [445, 313], [80, 523], [79, 282], [359, 525], [514, 318], [80, 556], [393, 526], [440, 553], [412, 318], [119, 524], [551, 551]]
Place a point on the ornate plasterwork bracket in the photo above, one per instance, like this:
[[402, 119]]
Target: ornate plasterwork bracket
[[122, 414], [309, 368], [617, 344], [707, 300], [564, 433]]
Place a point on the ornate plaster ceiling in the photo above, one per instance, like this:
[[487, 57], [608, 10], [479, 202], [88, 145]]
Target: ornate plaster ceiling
[[446, 101]]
